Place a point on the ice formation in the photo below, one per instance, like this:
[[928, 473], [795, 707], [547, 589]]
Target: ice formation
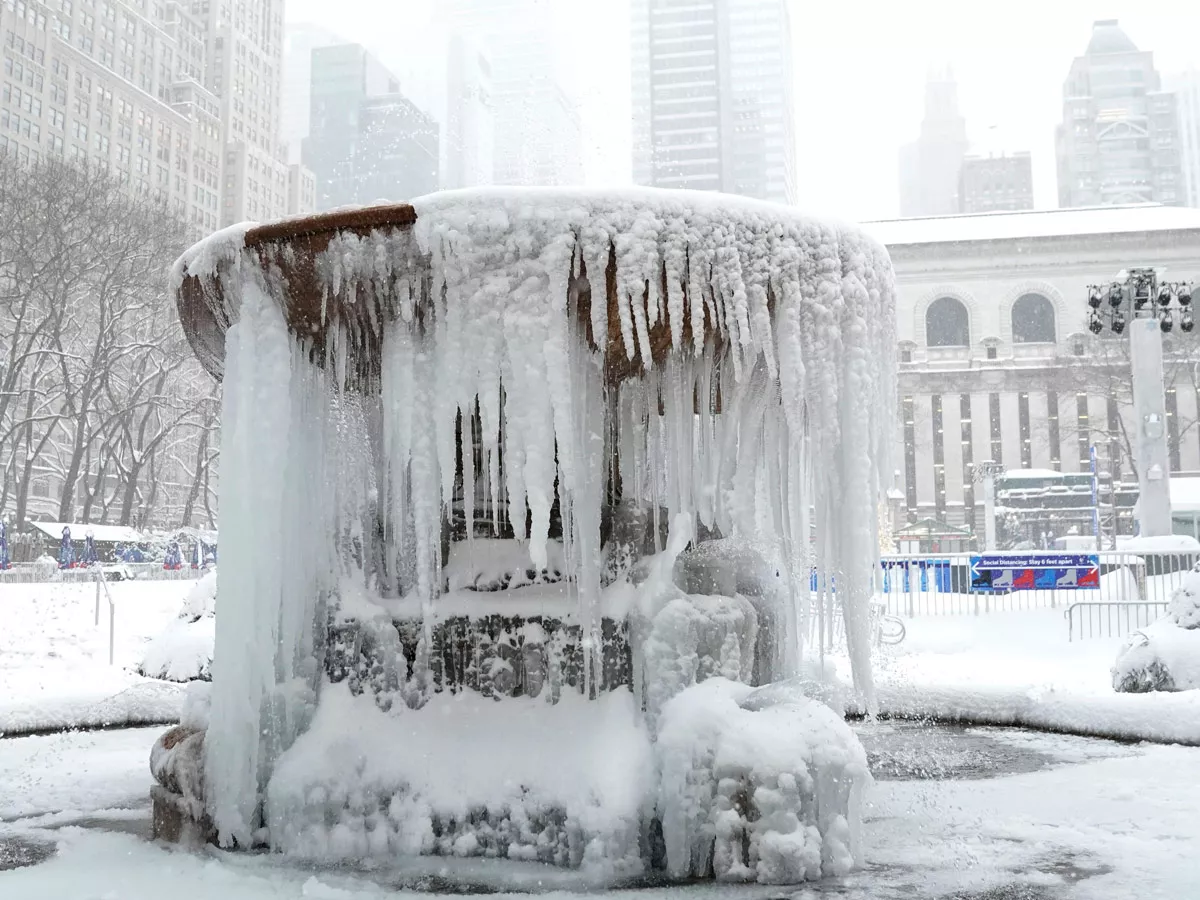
[[536, 364]]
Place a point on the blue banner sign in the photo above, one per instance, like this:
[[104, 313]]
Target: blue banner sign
[[1005, 572]]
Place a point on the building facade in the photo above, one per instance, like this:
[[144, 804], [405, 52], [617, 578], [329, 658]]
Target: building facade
[[996, 362], [366, 141], [930, 166], [1119, 139], [537, 134], [1186, 88], [299, 41], [996, 184], [178, 100], [712, 101]]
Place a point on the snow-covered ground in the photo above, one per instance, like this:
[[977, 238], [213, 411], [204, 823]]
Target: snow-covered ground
[[54, 658], [1100, 821], [1020, 668]]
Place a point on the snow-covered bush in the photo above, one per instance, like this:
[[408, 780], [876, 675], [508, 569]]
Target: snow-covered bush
[[758, 786], [1164, 656], [1184, 607], [184, 649]]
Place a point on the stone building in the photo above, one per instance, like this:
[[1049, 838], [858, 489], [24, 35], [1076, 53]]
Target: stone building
[[996, 362]]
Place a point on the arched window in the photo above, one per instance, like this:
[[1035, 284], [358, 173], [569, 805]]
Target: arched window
[[946, 324], [1033, 320]]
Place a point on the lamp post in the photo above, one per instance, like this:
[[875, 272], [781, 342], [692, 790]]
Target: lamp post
[[1156, 307], [986, 473]]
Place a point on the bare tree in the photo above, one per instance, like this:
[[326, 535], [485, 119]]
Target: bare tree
[[97, 387]]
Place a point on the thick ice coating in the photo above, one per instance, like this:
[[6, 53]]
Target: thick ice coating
[[723, 364]]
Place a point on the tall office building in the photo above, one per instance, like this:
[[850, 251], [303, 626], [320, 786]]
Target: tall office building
[[1187, 95], [1119, 138], [179, 100], [931, 167], [537, 137], [996, 183], [366, 141], [712, 96], [299, 41]]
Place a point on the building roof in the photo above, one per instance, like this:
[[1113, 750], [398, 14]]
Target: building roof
[[1093, 220], [1109, 37], [930, 528], [104, 534], [1185, 494]]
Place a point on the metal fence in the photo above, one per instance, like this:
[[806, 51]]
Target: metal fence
[[1110, 619], [38, 573], [944, 585]]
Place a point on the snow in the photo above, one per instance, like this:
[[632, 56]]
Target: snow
[[182, 652], [54, 657], [466, 776], [184, 649], [104, 534], [73, 773], [485, 564], [1033, 224], [1018, 668], [1166, 543], [1101, 822], [778, 402]]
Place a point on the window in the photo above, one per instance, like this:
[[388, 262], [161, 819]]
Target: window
[[947, 324], [1033, 320]]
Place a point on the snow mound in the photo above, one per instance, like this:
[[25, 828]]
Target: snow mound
[[491, 564], [1184, 607], [1161, 657], [184, 650], [763, 788], [202, 598], [466, 776]]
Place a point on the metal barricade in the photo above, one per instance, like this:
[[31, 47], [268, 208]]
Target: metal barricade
[[943, 584], [1110, 619]]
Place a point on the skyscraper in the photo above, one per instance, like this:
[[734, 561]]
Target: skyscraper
[[366, 141], [1187, 94], [930, 168], [536, 128], [1119, 138], [299, 41], [712, 96], [996, 183]]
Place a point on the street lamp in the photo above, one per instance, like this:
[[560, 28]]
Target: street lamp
[[1157, 306]]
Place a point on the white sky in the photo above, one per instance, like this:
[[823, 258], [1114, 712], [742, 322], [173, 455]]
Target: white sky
[[860, 71]]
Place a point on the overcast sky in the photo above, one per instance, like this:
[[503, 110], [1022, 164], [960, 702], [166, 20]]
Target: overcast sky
[[860, 70]]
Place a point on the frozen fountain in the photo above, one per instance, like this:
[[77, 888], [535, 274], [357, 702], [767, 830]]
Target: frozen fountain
[[521, 494]]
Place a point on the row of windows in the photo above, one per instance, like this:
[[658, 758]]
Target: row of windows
[[947, 323]]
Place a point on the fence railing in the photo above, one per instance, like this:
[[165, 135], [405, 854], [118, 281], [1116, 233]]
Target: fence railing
[[37, 573], [910, 585], [1110, 618]]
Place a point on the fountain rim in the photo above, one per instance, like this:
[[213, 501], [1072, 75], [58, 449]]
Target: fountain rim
[[205, 317]]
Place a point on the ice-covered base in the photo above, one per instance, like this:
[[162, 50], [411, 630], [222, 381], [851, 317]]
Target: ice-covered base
[[749, 785], [466, 776]]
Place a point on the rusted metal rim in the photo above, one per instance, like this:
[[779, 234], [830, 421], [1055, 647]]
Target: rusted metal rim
[[358, 220], [292, 247]]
